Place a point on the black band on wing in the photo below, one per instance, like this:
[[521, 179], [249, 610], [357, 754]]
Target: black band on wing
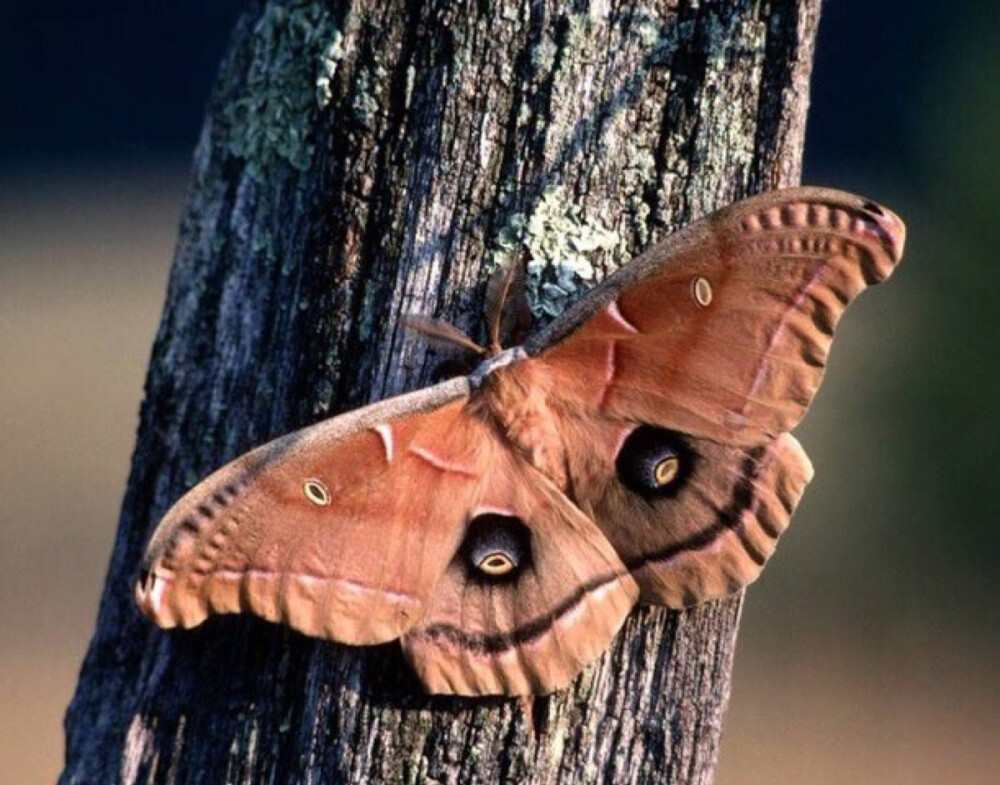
[[493, 644], [741, 498]]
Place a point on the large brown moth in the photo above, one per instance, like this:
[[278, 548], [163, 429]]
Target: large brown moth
[[503, 524]]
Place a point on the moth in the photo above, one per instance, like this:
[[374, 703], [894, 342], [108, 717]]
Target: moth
[[503, 524]]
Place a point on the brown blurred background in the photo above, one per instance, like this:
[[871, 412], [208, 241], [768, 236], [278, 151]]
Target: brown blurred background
[[869, 649]]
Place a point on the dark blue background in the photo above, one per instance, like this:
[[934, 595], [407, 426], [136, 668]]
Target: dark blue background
[[88, 82], [92, 81]]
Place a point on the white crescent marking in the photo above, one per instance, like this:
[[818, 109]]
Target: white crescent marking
[[438, 463], [385, 431], [484, 509], [616, 314]]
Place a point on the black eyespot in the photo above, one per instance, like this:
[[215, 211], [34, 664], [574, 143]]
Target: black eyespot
[[873, 208], [496, 547], [654, 461]]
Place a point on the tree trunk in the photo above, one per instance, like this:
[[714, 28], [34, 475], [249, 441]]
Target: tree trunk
[[358, 163]]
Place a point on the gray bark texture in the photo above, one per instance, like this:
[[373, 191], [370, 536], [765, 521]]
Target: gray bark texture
[[363, 160]]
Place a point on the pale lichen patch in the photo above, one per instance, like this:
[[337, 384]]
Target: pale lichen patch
[[369, 89], [328, 61], [559, 242], [543, 56], [296, 50]]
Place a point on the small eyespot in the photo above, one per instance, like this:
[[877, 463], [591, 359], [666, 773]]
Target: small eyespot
[[701, 291], [316, 492], [496, 563], [666, 471], [873, 208]]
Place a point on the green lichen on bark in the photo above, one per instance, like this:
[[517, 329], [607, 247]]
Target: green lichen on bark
[[559, 242], [328, 61], [296, 50]]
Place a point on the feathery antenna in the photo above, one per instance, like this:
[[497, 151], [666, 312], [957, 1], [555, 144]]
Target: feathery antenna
[[441, 331], [507, 309]]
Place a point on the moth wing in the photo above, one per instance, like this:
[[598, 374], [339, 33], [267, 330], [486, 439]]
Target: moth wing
[[369, 526], [710, 530], [710, 346], [723, 330], [534, 629], [340, 530]]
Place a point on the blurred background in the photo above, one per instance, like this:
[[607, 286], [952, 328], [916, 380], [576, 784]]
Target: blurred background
[[869, 649]]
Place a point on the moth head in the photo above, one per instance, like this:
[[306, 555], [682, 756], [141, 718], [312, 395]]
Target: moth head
[[654, 461]]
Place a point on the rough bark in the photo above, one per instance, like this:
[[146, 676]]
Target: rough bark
[[357, 163]]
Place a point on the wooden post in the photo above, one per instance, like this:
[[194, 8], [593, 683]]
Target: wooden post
[[363, 160]]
